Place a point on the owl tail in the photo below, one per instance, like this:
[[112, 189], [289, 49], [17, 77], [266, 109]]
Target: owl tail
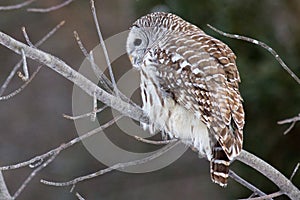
[[219, 166]]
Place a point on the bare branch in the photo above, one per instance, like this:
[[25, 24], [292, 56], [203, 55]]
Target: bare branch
[[94, 111], [84, 115], [295, 171], [290, 128], [82, 82], [104, 81], [26, 37], [24, 77], [114, 167], [4, 193], [155, 142], [285, 185], [80, 44], [38, 160], [292, 120], [34, 172], [52, 8], [269, 196], [256, 42], [104, 48], [245, 183], [18, 65], [79, 196], [20, 89], [17, 6], [50, 33]]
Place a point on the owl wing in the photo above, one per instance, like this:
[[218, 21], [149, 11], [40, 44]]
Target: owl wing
[[200, 73]]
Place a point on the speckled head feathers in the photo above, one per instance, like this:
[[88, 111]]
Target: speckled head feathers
[[165, 20]]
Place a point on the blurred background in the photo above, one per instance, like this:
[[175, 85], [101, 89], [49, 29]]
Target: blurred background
[[31, 123]]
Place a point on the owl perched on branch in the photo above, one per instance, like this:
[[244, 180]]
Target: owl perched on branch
[[189, 87]]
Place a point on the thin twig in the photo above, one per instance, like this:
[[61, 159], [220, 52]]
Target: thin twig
[[284, 184], [4, 193], [37, 159], [20, 89], [94, 111], [114, 167], [295, 171], [292, 120], [245, 183], [53, 153], [26, 37], [162, 142], [84, 115], [52, 8], [96, 69], [72, 188], [16, 6], [24, 77], [290, 128], [10, 76], [50, 33], [252, 195], [79, 196], [289, 120], [34, 172], [18, 65], [104, 81], [104, 48], [100, 75], [265, 46], [80, 44], [269, 196]]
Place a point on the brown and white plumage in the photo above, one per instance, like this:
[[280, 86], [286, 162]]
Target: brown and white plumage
[[189, 87]]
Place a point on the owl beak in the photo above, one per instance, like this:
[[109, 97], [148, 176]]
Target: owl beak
[[131, 58], [133, 62]]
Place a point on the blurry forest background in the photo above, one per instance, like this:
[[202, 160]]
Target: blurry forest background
[[31, 123]]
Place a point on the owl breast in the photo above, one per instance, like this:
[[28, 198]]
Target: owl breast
[[170, 118]]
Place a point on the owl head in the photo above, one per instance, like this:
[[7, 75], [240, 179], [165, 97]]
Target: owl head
[[137, 45], [153, 29]]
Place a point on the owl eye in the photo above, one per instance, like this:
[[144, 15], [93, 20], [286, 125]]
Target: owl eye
[[137, 42]]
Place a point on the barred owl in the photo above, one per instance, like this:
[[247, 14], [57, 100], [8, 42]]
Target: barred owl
[[189, 88]]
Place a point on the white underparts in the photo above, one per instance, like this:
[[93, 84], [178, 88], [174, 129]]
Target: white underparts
[[171, 118]]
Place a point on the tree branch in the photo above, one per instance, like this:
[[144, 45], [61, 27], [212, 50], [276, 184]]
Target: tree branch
[[4, 194], [18, 65], [17, 6], [292, 120], [82, 82], [285, 185], [38, 160], [114, 167], [52, 8], [135, 112], [17, 91], [112, 78], [245, 183]]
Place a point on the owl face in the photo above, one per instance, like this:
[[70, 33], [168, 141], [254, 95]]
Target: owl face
[[137, 44]]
